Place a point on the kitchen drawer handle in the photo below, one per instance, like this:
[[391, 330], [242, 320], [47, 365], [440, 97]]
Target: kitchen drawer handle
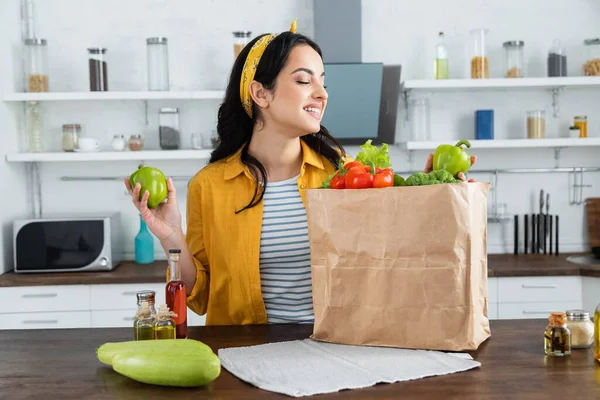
[[129, 293], [39, 295], [540, 286], [41, 321], [536, 312], [127, 318]]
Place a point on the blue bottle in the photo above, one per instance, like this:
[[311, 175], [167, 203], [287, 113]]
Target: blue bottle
[[144, 245]]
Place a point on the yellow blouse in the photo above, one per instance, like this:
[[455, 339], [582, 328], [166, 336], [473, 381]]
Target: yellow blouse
[[225, 246]]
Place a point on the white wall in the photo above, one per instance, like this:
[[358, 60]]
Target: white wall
[[200, 49]]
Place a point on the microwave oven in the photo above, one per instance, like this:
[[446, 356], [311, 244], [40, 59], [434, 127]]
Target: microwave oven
[[69, 243]]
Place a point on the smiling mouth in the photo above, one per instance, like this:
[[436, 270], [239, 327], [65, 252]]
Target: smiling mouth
[[315, 112]]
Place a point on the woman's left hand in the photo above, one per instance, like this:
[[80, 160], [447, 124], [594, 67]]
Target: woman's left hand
[[461, 176]]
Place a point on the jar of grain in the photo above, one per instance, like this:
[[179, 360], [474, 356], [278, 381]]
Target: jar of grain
[[240, 40], [36, 65], [581, 327], [592, 65], [514, 59], [479, 56], [536, 124]]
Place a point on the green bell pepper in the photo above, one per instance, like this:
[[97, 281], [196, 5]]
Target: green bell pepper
[[453, 159], [153, 180]]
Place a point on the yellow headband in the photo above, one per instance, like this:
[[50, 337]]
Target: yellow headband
[[250, 66]]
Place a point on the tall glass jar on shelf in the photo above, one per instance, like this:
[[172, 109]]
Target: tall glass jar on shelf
[[36, 65], [157, 51], [34, 127], [592, 64], [479, 55], [240, 40], [514, 59]]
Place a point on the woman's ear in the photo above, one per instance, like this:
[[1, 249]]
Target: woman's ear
[[260, 95]]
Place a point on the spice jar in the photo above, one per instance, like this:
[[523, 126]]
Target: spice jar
[[118, 143], [240, 40], [158, 63], [36, 64], [98, 69], [557, 337], [581, 327], [580, 121], [557, 60], [136, 143], [168, 128], [592, 65], [479, 56], [536, 124], [71, 133], [514, 59]]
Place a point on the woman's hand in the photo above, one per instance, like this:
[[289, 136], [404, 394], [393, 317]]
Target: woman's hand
[[164, 220], [461, 176]]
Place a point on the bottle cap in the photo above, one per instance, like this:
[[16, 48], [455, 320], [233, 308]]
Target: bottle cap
[[174, 251], [145, 295]]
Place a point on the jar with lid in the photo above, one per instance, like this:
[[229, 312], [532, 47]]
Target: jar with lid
[[557, 337], [71, 133], [168, 128], [98, 69], [557, 60], [536, 124], [148, 296], [479, 56], [581, 327], [240, 40], [34, 127], [514, 59], [157, 52], [136, 143], [592, 65], [580, 121], [36, 64]]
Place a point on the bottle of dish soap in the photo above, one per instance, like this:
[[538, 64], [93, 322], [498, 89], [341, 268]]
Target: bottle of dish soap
[[164, 324], [144, 245]]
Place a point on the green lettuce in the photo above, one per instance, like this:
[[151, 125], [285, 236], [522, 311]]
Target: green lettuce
[[371, 153]]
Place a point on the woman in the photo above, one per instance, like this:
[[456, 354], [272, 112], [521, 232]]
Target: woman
[[245, 257]]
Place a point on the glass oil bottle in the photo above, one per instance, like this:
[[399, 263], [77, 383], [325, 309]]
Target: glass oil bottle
[[597, 333], [143, 323], [176, 294], [557, 337], [164, 324], [148, 296]]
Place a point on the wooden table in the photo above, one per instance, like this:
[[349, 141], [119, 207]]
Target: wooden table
[[61, 364]]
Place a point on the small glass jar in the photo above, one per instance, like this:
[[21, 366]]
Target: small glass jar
[[479, 55], [592, 65], [514, 59], [98, 69], [118, 143], [164, 323], [557, 337], [71, 134], [36, 64], [148, 296], [168, 128], [143, 323], [581, 122], [581, 327], [536, 124], [557, 60], [136, 143], [240, 40], [157, 52], [419, 119], [574, 132], [214, 139], [34, 127]]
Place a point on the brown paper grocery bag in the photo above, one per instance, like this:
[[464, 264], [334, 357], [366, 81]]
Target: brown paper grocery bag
[[401, 266]]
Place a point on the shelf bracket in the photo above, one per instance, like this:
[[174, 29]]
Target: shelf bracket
[[146, 110], [557, 156], [406, 99], [555, 103]]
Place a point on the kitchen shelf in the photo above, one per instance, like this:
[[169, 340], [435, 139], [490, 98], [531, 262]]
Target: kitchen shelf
[[506, 144], [503, 83], [136, 95], [110, 156]]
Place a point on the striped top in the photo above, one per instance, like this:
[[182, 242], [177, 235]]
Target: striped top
[[285, 255]]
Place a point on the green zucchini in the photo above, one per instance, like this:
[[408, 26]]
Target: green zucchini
[[107, 351]]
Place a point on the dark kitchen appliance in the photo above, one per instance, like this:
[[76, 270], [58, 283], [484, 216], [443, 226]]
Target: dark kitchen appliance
[[592, 209]]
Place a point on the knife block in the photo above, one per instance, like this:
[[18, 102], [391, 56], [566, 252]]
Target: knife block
[[592, 206]]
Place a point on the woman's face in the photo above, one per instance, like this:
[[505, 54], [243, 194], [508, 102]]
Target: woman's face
[[298, 101]]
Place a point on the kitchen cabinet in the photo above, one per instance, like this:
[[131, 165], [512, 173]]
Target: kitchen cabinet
[[76, 306], [591, 293]]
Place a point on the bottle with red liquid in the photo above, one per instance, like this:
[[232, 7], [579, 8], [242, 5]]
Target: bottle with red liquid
[[176, 294]]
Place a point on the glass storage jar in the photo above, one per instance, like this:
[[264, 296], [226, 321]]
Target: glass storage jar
[[536, 124], [135, 143], [36, 64], [557, 60], [98, 69], [479, 56], [581, 327], [419, 119], [514, 59], [168, 128], [71, 133], [157, 52], [34, 127], [592, 65], [580, 121], [240, 40]]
